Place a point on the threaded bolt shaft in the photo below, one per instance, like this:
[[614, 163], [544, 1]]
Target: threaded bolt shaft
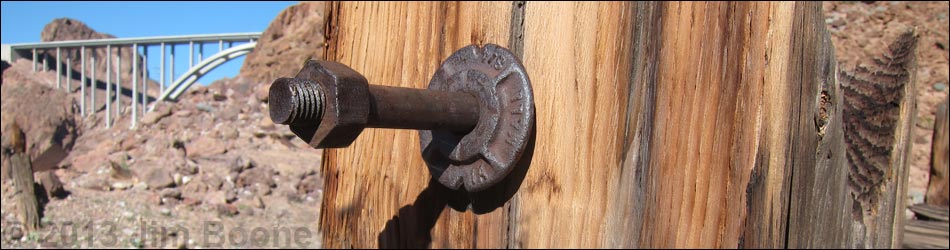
[[295, 101]]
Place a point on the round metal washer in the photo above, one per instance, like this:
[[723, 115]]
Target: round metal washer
[[483, 157]]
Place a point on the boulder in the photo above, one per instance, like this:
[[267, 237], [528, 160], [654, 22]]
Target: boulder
[[205, 146], [293, 37], [52, 186], [163, 110], [48, 117], [159, 178], [260, 178]]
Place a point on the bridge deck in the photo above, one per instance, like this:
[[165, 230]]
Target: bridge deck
[[178, 85]]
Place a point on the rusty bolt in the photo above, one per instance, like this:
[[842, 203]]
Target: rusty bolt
[[474, 119], [296, 102], [339, 103], [325, 104]]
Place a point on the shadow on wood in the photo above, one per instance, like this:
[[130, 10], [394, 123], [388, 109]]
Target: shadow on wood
[[412, 226]]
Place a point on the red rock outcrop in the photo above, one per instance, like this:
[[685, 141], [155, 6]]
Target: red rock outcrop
[[295, 35], [47, 116]]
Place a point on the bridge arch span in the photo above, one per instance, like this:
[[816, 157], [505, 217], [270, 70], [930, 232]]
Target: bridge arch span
[[180, 85]]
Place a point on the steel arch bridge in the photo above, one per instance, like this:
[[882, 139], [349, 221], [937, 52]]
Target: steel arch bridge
[[238, 44]]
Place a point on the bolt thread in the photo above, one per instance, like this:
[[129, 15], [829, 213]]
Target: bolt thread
[[296, 102], [309, 102]]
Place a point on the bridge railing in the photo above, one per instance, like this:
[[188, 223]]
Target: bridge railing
[[41, 53]]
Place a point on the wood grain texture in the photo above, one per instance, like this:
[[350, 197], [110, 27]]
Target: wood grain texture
[[659, 124], [929, 229], [879, 113], [820, 203], [476, 23], [938, 190], [371, 194], [578, 58], [926, 211], [28, 208], [377, 191], [718, 100], [927, 234]]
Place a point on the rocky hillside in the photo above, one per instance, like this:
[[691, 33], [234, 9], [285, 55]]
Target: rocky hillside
[[293, 37], [212, 158], [51, 124]]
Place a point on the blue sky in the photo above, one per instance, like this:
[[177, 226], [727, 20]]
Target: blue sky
[[22, 22]]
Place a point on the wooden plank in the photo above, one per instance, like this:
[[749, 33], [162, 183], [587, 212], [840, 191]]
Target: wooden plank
[[378, 192], [712, 132], [371, 195], [731, 102], [931, 212], [5, 169], [578, 58], [920, 234], [658, 125], [28, 208], [820, 206], [938, 190], [627, 201], [715, 127], [481, 23], [878, 115], [870, 115]]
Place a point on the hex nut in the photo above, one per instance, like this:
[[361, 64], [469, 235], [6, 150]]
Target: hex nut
[[346, 104]]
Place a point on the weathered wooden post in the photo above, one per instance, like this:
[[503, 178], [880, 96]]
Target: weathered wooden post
[[938, 191], [658, 124], [26, 203]]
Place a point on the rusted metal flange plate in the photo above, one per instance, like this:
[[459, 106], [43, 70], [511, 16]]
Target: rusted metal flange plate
[[483, 157]]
